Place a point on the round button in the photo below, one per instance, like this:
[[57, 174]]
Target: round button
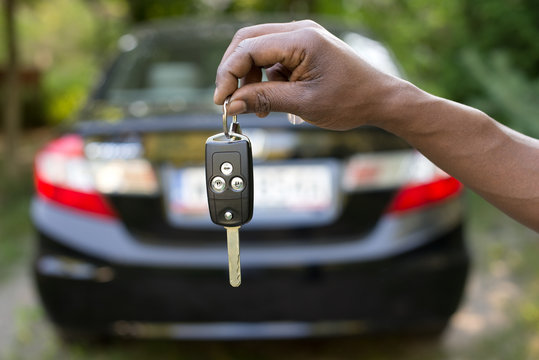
[[218, 184], [237, 183], [228, 215], [226, 168]]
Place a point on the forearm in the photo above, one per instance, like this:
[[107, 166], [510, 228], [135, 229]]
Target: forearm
[[320, 78], [491, 159]]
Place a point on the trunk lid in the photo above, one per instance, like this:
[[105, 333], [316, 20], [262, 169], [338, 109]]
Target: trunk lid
[[300, 191]]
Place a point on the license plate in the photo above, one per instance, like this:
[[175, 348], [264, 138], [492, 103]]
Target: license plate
[[292, 193]]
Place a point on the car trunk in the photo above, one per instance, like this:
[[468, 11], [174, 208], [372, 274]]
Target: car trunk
[[300, 189]]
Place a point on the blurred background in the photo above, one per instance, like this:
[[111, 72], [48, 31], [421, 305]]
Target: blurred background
[[483, 53]]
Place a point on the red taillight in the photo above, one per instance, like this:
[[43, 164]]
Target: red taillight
[[420, 182], [416, 196], [62, 174]]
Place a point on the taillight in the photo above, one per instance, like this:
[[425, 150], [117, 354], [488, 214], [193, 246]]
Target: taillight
[[63, 175], [420, 182], [416, 196]]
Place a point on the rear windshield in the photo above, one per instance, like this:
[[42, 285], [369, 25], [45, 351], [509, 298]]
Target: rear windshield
[[168, 73], [172, 70]]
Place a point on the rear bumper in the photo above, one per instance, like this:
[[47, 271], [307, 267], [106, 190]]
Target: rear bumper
[[419, 289], [109, 241]]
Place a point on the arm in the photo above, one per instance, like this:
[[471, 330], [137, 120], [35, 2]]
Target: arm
[[498, 163], [318, 77]]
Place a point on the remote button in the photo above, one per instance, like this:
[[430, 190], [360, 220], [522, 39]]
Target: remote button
[[218, 184], [228, 215], [226, 168], [237, 184]]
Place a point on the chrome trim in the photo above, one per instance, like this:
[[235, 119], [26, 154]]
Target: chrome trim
[[237, 331]]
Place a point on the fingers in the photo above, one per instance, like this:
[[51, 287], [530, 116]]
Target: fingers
[[265, 29], [254, 75], [290, 50], [226, 84], [275, 73], [278, 73], [264, 97]]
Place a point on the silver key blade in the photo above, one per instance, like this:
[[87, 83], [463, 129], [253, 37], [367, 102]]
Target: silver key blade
[[233, 244]]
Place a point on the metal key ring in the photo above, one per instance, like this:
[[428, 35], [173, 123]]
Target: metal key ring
[[225, 116]]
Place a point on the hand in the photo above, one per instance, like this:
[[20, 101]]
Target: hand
[[318, 77], [311, 73]]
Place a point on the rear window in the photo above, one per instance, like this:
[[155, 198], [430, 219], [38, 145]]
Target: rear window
[[172, 70], [164, 74]]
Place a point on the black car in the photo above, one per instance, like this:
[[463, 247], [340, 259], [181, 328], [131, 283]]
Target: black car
[[352, 231]]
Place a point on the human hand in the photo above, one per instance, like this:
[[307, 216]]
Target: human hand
[[315, 75], [311, 73]]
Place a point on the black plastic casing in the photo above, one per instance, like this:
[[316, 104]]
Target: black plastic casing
[[236, 150]]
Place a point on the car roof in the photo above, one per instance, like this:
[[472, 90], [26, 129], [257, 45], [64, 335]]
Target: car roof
[[224, 28]]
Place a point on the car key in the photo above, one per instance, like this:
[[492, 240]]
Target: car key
[[229, 186]]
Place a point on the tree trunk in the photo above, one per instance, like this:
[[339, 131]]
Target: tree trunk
[[12, 106]]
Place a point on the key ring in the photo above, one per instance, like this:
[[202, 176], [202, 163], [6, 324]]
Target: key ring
[[225, 116]]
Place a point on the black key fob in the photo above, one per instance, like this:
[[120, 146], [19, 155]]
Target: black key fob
[[229, 178]]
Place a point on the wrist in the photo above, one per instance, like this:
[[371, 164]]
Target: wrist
[[400, 110]]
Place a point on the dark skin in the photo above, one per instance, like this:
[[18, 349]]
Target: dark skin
[[315, 75]]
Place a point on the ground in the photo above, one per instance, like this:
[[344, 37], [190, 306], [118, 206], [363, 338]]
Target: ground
[[498, 318]]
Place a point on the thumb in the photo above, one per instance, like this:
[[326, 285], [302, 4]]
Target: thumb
[[264, 97]]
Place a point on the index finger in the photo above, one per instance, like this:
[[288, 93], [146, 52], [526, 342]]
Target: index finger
[[252, 32], [286, 49], [264, 29]]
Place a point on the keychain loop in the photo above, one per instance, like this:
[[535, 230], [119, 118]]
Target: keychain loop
[[225, 120]]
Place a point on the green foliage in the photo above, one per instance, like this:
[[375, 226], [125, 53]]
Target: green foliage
[[499, 64], [512, 26], [14, 219], [427, 38], [508, 94], [424, 36], [143, 10], [68, 41], [497, 72]]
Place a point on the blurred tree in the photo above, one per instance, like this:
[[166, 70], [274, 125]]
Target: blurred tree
[[68, 47], [511, 26], [432, 40], [11, 92], [142, 10], [501, 54], [508, 93]]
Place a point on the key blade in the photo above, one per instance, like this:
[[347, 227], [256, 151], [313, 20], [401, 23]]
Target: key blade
[[233, 244]]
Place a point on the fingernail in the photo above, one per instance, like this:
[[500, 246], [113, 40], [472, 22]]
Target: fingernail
[[237, 107]]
